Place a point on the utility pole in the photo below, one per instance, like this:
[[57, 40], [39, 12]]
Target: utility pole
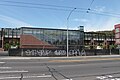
[[67, 30]]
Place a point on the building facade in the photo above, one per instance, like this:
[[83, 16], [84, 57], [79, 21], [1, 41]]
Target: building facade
[[117, 34], [51, 38], [27, 37], [41, 38], [102, 39]]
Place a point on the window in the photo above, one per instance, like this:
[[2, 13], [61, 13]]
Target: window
[[117, 30], [117, 35]]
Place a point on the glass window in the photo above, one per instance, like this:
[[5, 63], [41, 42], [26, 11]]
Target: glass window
[[27, 31], [57, 37], [117, 30], [117, 35]]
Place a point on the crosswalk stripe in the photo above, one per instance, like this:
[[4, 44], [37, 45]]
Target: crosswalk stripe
[[43, 76], [12, 71], [2, 62], [5, 68], [67, 79]]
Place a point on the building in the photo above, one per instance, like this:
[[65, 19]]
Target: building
[[117, 34], [27, 37], [101, 38], [9, 38]]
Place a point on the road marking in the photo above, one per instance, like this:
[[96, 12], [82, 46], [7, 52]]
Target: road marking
[[107, 77], [101, 77], [25, 77], [67, 79], [12, 71], [117, 78], [43, 76], [104, 77], [2, 62], [5, 68], [83, 60], [14, 58]]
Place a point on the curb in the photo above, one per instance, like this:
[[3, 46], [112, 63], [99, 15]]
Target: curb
[[80, 57]]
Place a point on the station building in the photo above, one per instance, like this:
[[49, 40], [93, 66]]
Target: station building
[[101, 38], [28, 37]]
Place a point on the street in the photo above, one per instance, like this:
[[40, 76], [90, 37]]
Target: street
[[86, 68]]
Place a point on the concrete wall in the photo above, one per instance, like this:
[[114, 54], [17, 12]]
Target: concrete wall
[[37, 52]]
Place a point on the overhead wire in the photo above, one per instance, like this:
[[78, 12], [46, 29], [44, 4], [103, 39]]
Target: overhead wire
[[59, 8], [91, 3], [110, 13], [89, 8], [102, 14], [39, 4]]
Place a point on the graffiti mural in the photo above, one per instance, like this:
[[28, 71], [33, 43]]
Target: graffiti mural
[[36, 52], [49, 52], [59, 52]]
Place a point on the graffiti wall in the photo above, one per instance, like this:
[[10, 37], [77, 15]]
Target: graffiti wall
[[48, 52], [43, 52], [59, 52]]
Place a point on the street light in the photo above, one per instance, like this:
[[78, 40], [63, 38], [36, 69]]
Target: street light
[[67, 29]]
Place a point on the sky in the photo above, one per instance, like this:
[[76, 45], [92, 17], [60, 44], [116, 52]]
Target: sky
[[54, 14]]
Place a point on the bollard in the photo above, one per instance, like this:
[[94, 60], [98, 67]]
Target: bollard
[[21, 77]]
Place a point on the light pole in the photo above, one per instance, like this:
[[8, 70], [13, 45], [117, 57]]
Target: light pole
[[67, 30]]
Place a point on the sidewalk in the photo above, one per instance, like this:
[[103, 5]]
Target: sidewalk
[[71, 57]]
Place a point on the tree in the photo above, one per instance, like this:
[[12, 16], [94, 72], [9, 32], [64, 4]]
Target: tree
[[7, 46]]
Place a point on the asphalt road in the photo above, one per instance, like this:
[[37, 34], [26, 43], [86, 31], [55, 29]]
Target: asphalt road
[[100, 68]]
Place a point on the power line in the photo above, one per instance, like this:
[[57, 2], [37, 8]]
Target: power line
[[104, 14], [101, 13], [34, 7], [40, 4], [91, 3], [111, 13], [59, 8], [37, 7], [89, 8]]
